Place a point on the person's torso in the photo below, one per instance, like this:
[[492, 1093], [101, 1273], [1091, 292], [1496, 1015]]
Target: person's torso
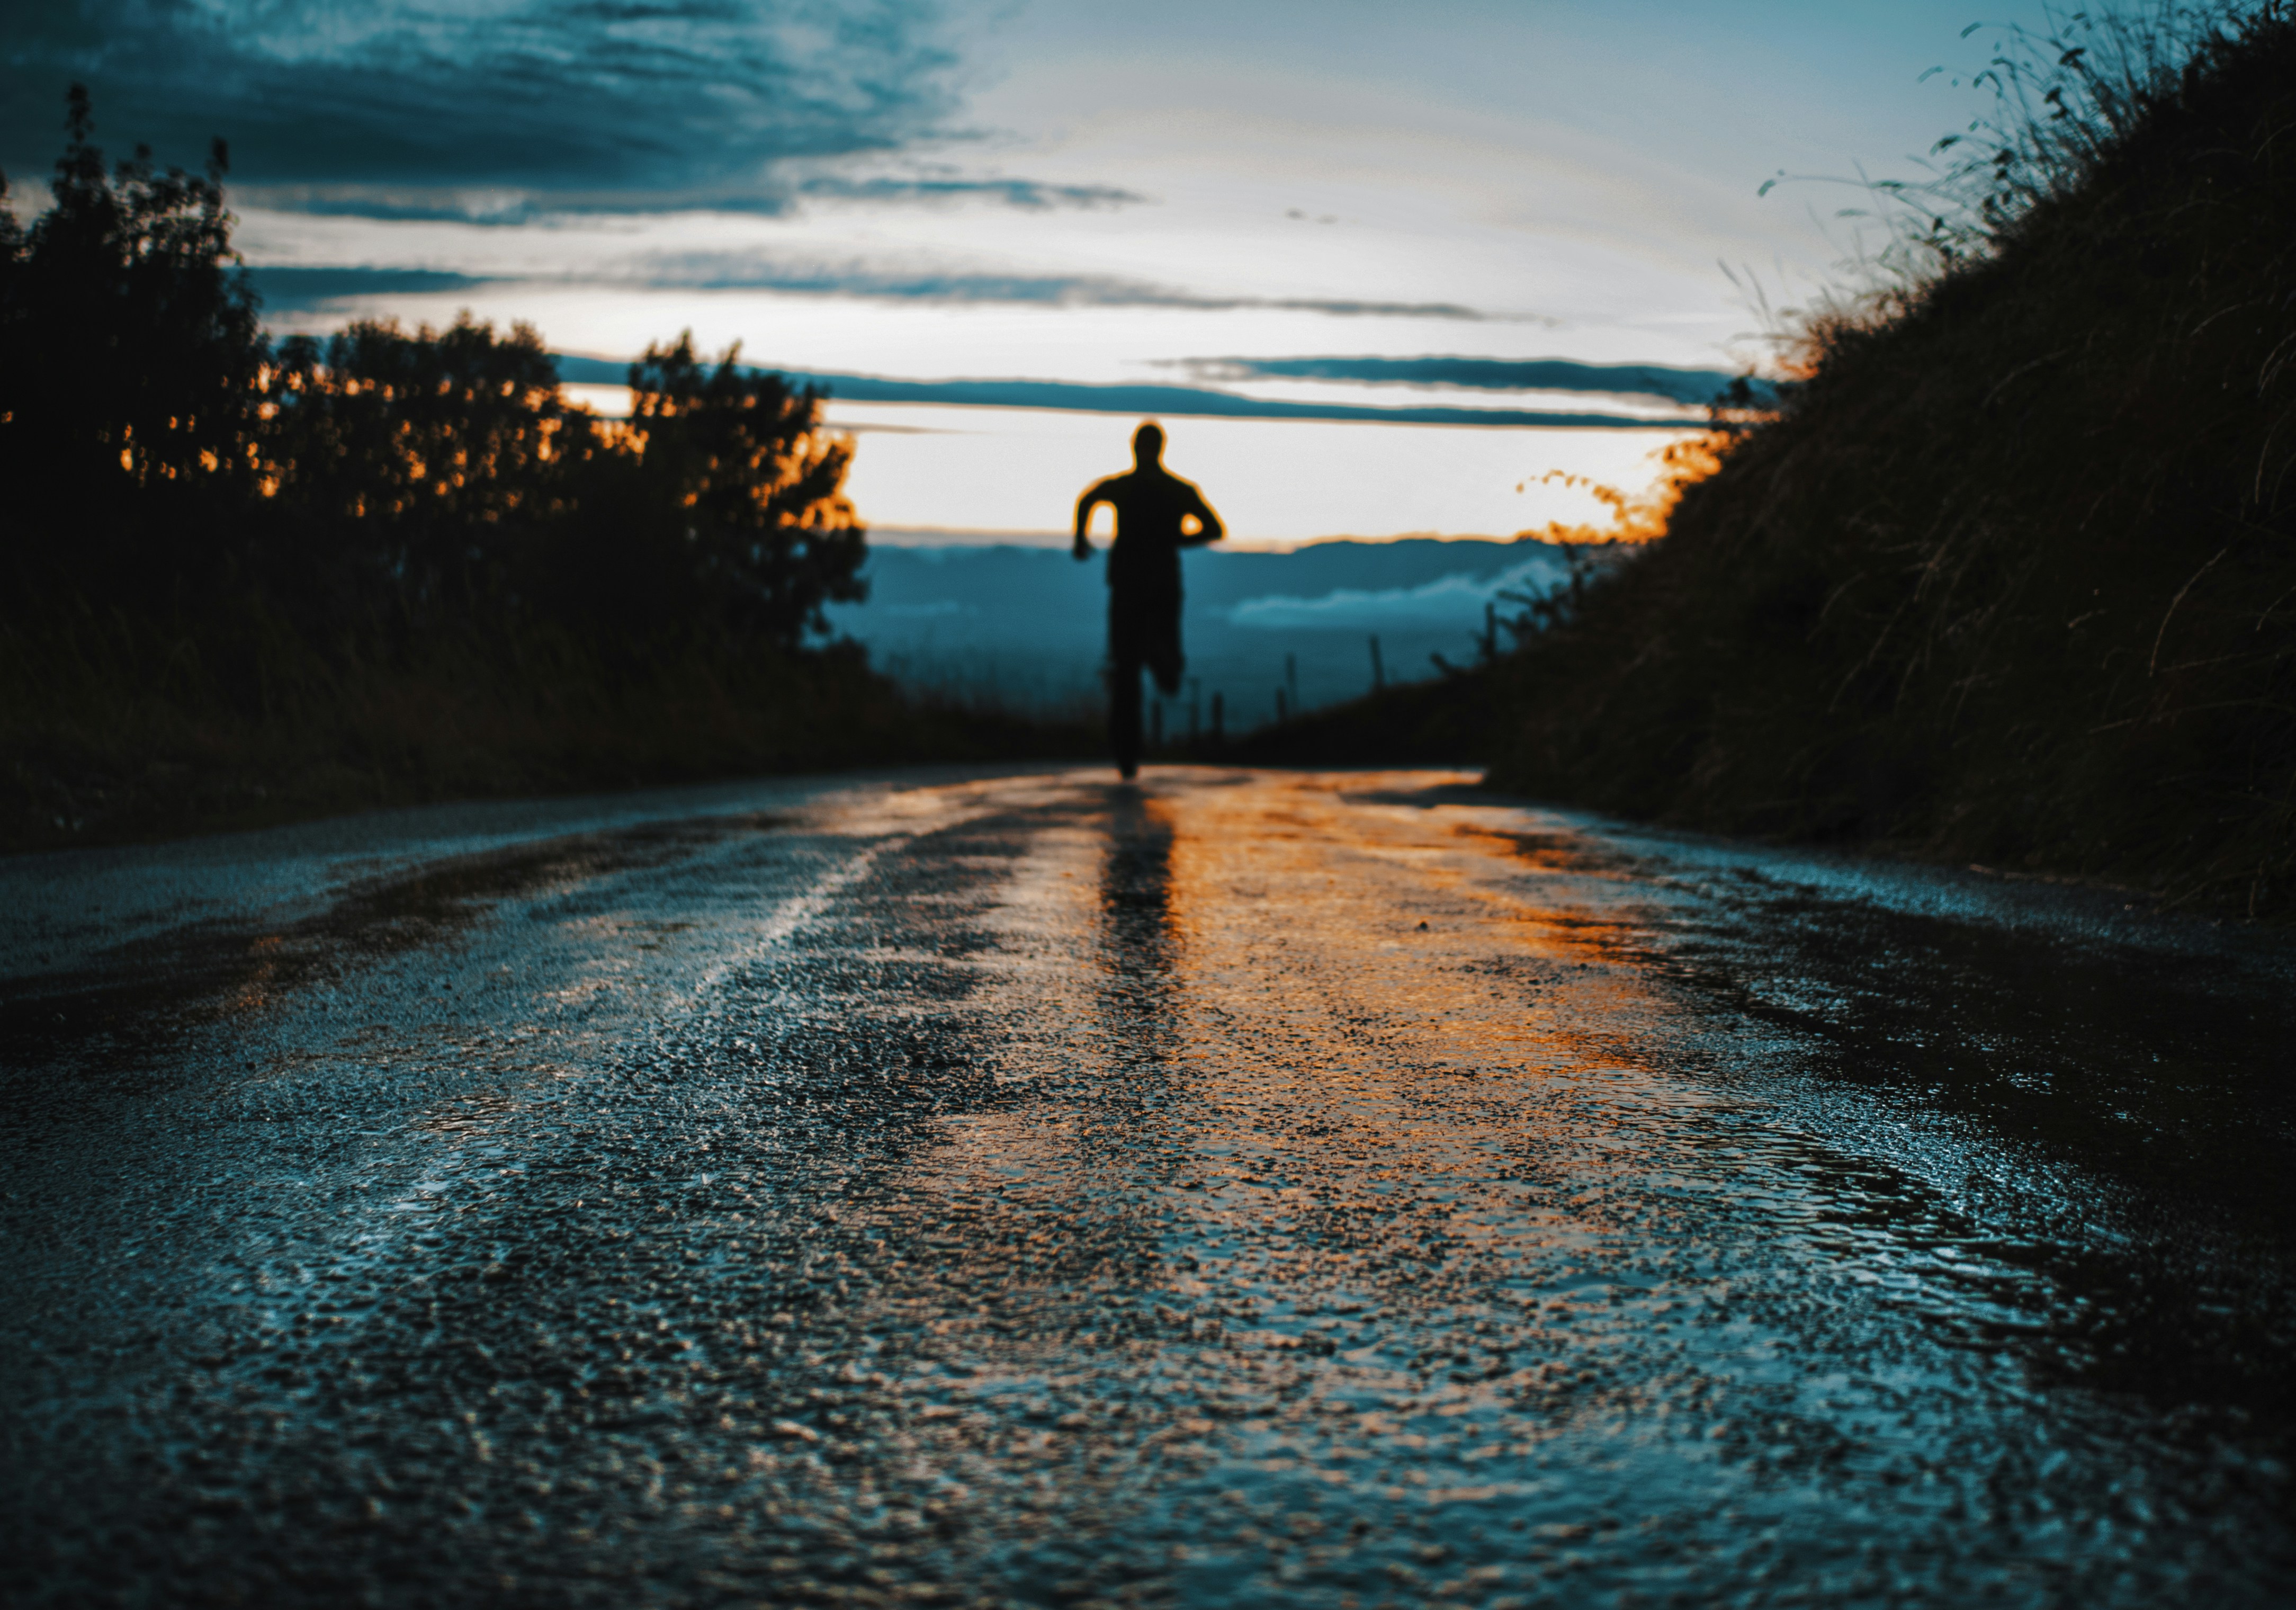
[[1149, 507]]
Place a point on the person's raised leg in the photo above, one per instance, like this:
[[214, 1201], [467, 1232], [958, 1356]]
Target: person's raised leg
[[1164, 662]]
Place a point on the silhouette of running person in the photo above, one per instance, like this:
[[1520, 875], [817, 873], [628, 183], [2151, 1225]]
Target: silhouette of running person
[[1152, 508]]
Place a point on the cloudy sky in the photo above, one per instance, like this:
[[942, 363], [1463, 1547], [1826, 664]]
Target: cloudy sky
[[1380, 215]]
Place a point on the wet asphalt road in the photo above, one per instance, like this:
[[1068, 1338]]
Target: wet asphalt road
[[1241, 1189]]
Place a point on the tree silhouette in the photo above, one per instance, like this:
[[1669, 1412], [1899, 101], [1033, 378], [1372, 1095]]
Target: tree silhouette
[[157, 447], [752, 488], [130, 358], [433, 463]]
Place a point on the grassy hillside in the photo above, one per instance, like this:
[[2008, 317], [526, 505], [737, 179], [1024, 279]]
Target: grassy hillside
[[2012, 578], [115, 727]]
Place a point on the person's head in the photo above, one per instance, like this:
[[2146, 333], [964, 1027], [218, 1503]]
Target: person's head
[[1147, 444]]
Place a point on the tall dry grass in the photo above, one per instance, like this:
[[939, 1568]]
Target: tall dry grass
[[115, 726], [2011, 575]]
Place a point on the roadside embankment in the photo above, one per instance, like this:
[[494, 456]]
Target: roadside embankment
[[2011, 576], [124, 728]]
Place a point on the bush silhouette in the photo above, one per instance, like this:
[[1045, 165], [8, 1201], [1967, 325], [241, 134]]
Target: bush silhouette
[[422, 468], [722, 503], [161, 450]]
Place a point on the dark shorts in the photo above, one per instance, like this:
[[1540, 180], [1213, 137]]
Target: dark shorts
[[1146, 631]]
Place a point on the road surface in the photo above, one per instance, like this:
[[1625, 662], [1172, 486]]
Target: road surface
[[1244, 1189]]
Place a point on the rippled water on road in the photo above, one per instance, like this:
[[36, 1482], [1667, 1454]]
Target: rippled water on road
[[1241, 1189]]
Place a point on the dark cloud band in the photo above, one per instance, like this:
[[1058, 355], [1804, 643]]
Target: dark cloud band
[[1028, 194], [1657, 382], [1170, 401], [296, 288], [745, 271], [638, 103]]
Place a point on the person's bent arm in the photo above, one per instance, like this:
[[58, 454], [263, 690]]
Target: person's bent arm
[[1209, 530], [1093, 494]]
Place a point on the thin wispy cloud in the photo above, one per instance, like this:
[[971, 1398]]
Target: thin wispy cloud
[[1658, 382], [430, 109], [1029, 195], [749, 271], [1171, 402], [1444, 601], [394, 204], [286, 290], [770, 195]]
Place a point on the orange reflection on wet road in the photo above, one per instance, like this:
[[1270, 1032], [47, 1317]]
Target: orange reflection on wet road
[[1242, 1189]]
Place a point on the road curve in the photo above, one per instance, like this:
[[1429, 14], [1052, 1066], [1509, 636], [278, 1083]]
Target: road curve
[[1241, 1189]]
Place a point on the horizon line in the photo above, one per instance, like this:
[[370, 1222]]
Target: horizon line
[[949, 537]]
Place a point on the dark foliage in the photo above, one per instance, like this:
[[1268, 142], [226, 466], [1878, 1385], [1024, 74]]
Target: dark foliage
[[160, 450], [1447, 721], [2012, 576], [392, 565], [432, 472], [131, 368], [733, 482]]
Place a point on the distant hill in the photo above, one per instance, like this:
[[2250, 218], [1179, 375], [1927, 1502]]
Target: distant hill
[[1027, 625]]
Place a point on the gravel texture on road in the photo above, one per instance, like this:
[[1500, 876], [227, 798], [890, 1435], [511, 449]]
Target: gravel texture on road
[[1241, 1189]]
